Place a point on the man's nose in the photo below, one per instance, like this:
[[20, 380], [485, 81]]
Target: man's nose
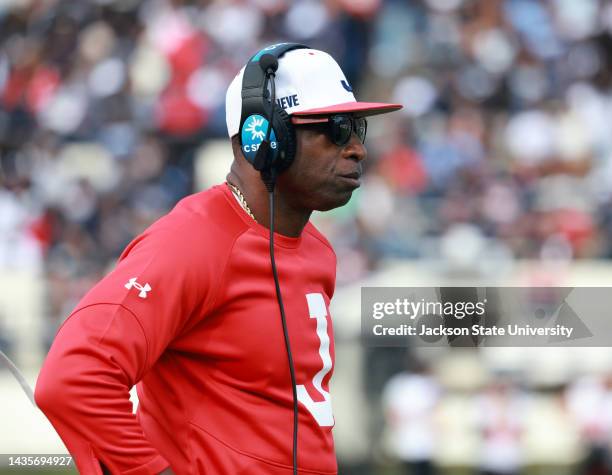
[[355, 149]]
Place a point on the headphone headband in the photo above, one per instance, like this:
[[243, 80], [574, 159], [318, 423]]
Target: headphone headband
[[254, 76]]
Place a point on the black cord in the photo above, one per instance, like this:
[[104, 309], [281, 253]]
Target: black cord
[[268, 175], [285, 331]]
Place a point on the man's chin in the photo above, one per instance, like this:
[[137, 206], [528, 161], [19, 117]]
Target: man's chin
[[336, 202]]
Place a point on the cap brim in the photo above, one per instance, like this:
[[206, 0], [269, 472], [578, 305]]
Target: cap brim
[[361, 109]]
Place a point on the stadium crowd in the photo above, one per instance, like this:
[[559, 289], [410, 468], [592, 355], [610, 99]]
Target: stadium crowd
[[502, 151]]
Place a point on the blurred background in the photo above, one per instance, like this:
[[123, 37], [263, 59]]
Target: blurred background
[[498, 171]]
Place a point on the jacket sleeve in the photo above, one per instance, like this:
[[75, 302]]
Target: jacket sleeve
[[114, 336]]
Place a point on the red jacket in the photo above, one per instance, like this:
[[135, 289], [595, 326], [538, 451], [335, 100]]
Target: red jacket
[[190, 314]]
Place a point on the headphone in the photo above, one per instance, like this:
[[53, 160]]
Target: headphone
[[270, 149], [267, 141]]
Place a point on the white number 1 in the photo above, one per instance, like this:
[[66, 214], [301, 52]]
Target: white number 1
[[320, 410]]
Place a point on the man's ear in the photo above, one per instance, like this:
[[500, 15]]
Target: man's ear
[[236, 149]]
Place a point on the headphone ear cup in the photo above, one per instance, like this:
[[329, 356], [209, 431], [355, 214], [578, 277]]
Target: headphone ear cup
[[287, 141]]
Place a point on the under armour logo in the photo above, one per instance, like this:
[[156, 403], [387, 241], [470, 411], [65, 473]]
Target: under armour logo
[[143, 288]]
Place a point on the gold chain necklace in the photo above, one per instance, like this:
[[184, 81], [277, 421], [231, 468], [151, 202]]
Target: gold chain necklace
[[241, 199]]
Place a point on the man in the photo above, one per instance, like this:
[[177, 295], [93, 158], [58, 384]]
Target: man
[[190, 313]]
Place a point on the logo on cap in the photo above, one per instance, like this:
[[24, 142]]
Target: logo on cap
[[346, 85], [253, 133], [288, 101]]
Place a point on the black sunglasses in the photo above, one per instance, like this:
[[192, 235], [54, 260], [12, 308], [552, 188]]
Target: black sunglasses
[[339, 127]]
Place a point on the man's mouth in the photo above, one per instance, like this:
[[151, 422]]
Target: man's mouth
[[354, 175], [353, 179]]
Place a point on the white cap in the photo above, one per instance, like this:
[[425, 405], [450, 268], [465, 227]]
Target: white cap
[[308, 82]]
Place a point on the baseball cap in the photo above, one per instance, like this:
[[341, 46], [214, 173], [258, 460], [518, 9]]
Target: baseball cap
[[308, 82]]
